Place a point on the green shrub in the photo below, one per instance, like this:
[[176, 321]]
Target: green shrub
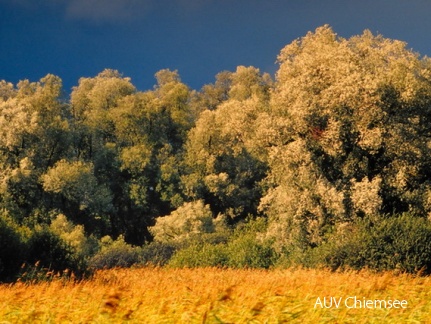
[[247, 247], [386, 243], [157, 253], [49, 252], [243, 252], [206, 255], [115, 254], [189, 220], [74, 235], [242, 249], [12, 249], [402, 243], [247, 252]]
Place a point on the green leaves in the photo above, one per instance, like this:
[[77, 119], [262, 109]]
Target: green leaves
[[343, 133], [75, 181], [224, 159], [351, 110], [189, 220]]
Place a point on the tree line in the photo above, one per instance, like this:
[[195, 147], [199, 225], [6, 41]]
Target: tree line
[[316, 166]]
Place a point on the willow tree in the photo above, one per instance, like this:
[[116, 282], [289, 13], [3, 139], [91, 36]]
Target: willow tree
[[224, 160], [34, 136], [91, 103], [356, 141]]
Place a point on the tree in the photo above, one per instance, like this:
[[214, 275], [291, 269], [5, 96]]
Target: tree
[[212, 95], [357, 128], [7, 90], [80, 195], [91, 101], [223, 158], [189, 220], [134, 140], [35, 134], [150, 130]]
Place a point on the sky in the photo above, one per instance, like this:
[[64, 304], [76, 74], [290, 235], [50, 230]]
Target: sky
[[199, 38]]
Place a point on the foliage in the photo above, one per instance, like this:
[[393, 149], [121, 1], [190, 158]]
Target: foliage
[[48, 251], [189, 220], [206, 255], [242, 249], [342, 134], [224, 161], [34, 135], [157, 253], [355, 139], [248, 252], [115, 254], [12, 248], [74, 235], [77, 184], [383, 243]]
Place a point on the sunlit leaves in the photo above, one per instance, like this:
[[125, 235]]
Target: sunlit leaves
[[94, 96], [225, 157], [353, 111], [190, 219], [76, 182], [343, 132]]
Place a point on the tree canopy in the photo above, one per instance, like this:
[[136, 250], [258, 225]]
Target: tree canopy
[[356, 113], [342, 134]]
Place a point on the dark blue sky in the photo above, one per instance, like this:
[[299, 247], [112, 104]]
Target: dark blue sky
[[199, 38]]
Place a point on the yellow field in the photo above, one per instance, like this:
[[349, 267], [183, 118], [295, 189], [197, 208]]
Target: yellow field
[[159, 295]]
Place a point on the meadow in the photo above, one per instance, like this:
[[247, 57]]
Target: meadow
[[213, 295]]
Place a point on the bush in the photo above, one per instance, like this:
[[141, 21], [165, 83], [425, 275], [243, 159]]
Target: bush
[[74, 235], [49, 252], [190, 220], [115, 254], [157, 253], [243, 252], [386, 243], [243, 249], [248, 252], [206, 255], [12, 249], [248, 249]]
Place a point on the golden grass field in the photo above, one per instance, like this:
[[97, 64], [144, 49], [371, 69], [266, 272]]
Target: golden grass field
[[211, 295]]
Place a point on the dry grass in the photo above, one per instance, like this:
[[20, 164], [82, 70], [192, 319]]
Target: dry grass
[[160, 295]]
